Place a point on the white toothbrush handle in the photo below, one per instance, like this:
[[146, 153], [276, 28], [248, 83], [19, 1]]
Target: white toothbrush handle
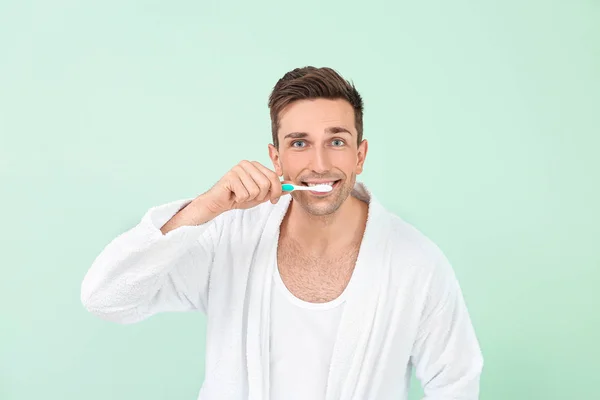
[[321, 188], [317, 188]]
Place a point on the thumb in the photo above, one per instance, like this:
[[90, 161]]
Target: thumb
[[283, 192]]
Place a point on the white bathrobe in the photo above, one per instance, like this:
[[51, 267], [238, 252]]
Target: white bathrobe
[[404, 306]]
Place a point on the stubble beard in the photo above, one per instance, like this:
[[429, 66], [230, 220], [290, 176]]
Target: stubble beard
[[327, 206]]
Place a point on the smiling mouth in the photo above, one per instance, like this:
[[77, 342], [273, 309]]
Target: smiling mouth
[[320, 183], [333, 184]]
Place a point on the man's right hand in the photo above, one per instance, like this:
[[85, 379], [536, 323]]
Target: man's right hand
[[246, 185]]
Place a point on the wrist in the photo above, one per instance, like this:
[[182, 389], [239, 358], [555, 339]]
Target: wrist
[[202, 210]]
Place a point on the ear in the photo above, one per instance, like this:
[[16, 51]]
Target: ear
[[362, 155], [274, 156]]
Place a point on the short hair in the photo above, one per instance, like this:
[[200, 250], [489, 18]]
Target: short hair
[[312, 83]]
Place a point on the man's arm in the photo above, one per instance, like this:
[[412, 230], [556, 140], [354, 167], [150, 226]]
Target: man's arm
[[161, 264], [164, 263], [446, 355]]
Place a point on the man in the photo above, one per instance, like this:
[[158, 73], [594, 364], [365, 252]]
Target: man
[[308, 295]]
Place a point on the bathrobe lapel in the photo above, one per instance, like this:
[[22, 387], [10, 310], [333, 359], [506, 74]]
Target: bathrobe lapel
[[258, 303], [355, 331]]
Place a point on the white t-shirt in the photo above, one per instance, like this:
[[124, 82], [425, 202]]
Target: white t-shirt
[[302, 339]]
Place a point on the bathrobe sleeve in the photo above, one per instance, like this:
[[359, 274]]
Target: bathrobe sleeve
[[446, 354], [143, 272]]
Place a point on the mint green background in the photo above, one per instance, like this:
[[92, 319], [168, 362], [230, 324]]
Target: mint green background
[[483, 122]]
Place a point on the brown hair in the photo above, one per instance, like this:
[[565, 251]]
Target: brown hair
[[311, 83]]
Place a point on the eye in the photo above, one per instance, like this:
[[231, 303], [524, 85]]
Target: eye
[[295, 143], [337, 142]]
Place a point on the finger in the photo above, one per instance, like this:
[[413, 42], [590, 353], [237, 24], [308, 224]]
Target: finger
[[240, 194], [281, 191], [276, 189], [275, 184], [248, 182], [261, 180]]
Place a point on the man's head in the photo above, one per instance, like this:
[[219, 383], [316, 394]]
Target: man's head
[[317, 127]]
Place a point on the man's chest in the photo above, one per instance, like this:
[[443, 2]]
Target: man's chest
[[315, 279]]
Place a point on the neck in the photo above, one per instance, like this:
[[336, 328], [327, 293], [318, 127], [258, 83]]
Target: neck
[[321, 233]]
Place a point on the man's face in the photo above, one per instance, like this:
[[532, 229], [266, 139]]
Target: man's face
[[318, 144]]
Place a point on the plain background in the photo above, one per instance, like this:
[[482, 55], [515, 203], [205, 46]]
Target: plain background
[[483, 120]]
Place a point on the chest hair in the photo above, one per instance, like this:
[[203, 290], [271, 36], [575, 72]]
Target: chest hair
[[315, 279]]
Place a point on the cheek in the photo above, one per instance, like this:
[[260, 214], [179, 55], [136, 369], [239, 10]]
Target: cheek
[[345, 163], [292, 164]]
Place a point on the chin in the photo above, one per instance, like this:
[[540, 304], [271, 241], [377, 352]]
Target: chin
[[322, 206], [320, 210]]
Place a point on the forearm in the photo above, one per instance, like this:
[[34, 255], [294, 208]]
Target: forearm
[[196, 213]]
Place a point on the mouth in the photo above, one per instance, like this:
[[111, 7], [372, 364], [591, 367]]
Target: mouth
[[334, 184]]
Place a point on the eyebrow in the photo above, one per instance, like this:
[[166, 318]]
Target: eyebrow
[[330, 131]]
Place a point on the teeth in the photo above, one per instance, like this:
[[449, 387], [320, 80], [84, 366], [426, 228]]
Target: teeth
[[324, 183]]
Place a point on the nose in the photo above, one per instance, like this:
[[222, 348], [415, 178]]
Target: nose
[[320, 161]]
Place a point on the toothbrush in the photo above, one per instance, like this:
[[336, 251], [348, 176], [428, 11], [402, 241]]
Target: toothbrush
[[288, 187]]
